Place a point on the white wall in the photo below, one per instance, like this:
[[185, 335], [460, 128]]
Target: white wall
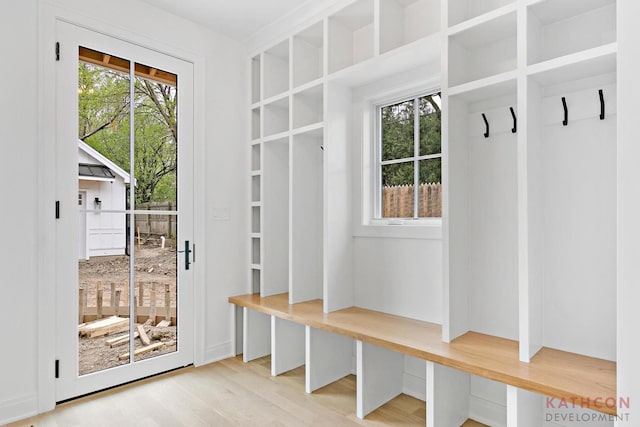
[[399, 276], [26, 372], [18, 192], [628, 351]]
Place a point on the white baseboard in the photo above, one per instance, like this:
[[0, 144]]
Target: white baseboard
[[18, 408], [487, 412], [218, 352]]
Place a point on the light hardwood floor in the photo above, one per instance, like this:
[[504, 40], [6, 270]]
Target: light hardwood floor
[[228, 393]]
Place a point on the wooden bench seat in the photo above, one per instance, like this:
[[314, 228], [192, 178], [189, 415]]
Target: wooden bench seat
[[578, 380]]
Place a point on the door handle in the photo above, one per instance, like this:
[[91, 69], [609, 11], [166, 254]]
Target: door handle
[[187, 251]]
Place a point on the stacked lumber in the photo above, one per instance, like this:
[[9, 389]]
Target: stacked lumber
[[102, 327]]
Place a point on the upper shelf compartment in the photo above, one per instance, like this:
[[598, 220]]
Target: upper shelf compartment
[[483, 50], [405, 21], [308, 49], [351, 35], [464, 10], [558, 28], [276, 70], [255, 79]]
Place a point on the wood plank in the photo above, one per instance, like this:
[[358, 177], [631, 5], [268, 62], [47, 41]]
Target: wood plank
[[167, 303], [164, 324], [142, 350], [115, 342], [110, 325], [143, 335], [99, 301], [82, 302], [552, 373]]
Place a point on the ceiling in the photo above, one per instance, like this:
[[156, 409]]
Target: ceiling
[[238, 19]]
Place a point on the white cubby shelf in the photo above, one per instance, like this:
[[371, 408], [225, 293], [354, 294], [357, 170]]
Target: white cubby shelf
[[351, 35], [529, 280], [308, 55], [461, 11], [558, 28], [276, 70]]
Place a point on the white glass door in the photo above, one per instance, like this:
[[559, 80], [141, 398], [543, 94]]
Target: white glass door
[[124, 236]]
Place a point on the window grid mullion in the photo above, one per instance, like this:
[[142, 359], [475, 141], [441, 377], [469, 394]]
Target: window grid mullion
[[416, 154]]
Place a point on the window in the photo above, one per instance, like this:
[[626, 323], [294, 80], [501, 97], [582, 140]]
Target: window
[[409, 157]]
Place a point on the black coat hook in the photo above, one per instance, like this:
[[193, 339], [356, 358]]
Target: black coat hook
[[601, 104], [514, 129], [566, 112], [486, 123]]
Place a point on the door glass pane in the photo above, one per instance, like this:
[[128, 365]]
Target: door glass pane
[[397, 190], [103, 293], [156, 160], [156, 150], [103, 189], [155, 285]]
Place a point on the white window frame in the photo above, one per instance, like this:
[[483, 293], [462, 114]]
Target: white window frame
[[366, 101], [376, 213]]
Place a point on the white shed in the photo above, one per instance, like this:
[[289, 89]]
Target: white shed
[[102, 186]]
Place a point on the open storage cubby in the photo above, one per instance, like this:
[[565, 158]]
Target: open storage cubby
[[308, 107], [255, 251], [275, 233], [255, 157], [405, 21], [255, 219], [483, 50], [255, 280], [255, 123], [453, 397], [562, 27], [276, 70], [306, 238], [308, 55], [572, 206], [255, 79], [287, 345], [276, 117], [483, 216], [464, 10], [351, 35], [255, 188]]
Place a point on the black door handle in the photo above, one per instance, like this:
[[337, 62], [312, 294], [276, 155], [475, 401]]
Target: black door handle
[[187, 252]]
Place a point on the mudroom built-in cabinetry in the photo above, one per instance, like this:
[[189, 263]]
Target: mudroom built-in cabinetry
[[529, 174]]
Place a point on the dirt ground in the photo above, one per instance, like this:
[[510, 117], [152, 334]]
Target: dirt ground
[[155, 267]]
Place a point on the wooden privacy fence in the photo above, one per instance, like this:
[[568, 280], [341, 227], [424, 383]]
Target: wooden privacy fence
[[159, 225], [97, 301], [397, 201]]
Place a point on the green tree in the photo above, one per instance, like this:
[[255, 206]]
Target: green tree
[[398, 132], [104, 124]]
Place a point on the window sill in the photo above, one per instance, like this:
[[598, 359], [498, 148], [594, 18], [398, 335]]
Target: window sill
[[401, 229]]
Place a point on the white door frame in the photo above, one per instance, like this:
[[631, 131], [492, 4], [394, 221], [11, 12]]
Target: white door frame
[[70, 384], [50, 12]]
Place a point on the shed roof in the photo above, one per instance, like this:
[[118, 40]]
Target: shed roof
[[101, 160], [95, 171]]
